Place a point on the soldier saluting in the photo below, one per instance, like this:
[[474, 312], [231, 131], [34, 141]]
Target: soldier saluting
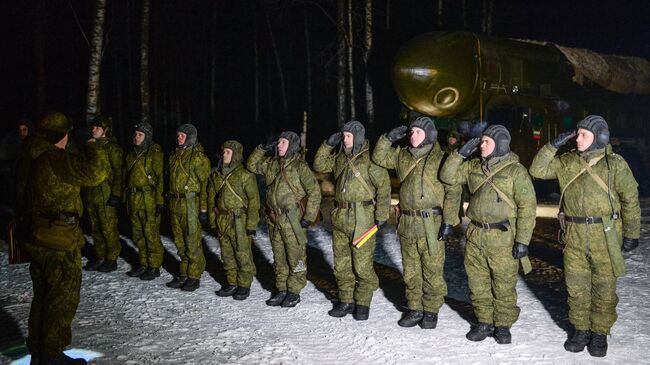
[[599, 204]]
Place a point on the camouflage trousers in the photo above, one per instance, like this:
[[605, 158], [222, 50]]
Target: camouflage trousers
[[492, 275], [145, 227], [187, 237], [106, 236], [353, 267], [237, 259], [289, 257], [423, 274], [56, 278]]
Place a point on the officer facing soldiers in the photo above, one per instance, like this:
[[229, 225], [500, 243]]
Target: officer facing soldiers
[[189, 171], [101, 202], [143, 186], [234, 205], [54, 187], [502, 209], [428, 210], [599, 211], [289, 182], [362, 198]]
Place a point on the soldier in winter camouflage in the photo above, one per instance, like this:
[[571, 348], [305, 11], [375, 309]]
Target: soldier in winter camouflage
[[143, 187], [189, 171], [362, 198], [289, 181], [101, 202], [428, 210], [54, 189], [502, 212], [234, 205], [599, 209]]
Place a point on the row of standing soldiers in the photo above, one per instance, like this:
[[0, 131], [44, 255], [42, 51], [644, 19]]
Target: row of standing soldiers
[[501, 210]]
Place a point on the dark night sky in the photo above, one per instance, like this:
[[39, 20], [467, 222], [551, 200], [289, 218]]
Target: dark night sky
[[181, 41]]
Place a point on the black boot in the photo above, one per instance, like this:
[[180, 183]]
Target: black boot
[[277, 299], [150, 274], [226, 291], [578, 341], [480, 332], [177, 282], [108, 266], [411, 318], [136, 272], [242, 293], [61, 359], [598, 345], [341, 309], [361, 313], [93, 265], [191, 284], [291, 300], [502, 335], [429, 320]]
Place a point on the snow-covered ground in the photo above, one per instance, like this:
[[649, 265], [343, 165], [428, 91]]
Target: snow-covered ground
[[129, 321]]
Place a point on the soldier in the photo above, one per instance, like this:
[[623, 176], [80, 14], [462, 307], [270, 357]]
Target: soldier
[[143, 175], [289, 181], [502, 209], [101, 202], [234, 205], [453, 142], [428, 210], [54, 187], [599, 212], [362, 198], [189, 171]]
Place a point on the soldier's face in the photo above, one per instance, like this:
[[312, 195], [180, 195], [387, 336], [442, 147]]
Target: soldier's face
[[23, 131], [417, 136], [487, 146], [283, 146], [138, 138], [348, 139], [180, 138], [452, 140], [584, 139], [227, 155], [98, 132]]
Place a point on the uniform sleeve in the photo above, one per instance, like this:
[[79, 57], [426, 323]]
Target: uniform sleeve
[[380, 179], [157, 163], [526, 202], [384, 154], [324, 160], [202, 171], [455, 170], [253, 196], [545, 165], [212, 194], [256, 161], [311, 186], [79, 170], [116, 159], [628, 192], [451, 204]]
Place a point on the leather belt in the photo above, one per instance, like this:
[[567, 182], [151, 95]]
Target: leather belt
[[584, 220], [181, 195], [67, 217], [501, 226], [424, 213], [350, 205]]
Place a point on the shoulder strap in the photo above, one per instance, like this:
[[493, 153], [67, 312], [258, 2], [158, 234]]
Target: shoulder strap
[[408, 171], [363, 182], [492, 175], [295, 191], [232, 190], [586, 168]]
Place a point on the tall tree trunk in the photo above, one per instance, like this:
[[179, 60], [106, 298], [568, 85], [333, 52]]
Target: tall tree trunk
[[92, 107], [351, 62], [144, 61], [439, 18], [370, 109], [278, 63], [308, 59], [341, 74], [39, 59]]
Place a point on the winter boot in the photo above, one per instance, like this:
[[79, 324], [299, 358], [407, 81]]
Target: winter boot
[[136, 272], [150, 274], [93, 265], [227, 291], [361, 313], [598, 345], [341, 309], [191, 284], [242, 293], [480, 332], [291, 300], [429, 320], [61, 359], [578, 341], [277, 299], [178, 282], [411, 319], [108, 266], [502, 335]]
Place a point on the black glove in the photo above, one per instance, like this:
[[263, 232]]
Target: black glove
[[113, 201], [334, 139], [203, 217], [519, 250], [397, 133], [380, 223], [630, 244], [445, 231], [305, 223], [269, 146], [250, 232], [159, 209], [468, 148], [563, 138]]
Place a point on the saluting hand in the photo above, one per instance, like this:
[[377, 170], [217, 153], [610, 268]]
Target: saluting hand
[[397, 133], [563, 138], [470, 147]]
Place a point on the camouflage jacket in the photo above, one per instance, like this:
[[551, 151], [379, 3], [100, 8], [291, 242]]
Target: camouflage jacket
[[144, 169], [189, 170], [112, 185], [23, 195], [237, 189]]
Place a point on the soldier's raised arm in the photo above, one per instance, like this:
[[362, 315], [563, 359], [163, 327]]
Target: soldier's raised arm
[[256, 162], [545, 165], [88, 170], [455, 170], [384, 154], [325, 159]]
